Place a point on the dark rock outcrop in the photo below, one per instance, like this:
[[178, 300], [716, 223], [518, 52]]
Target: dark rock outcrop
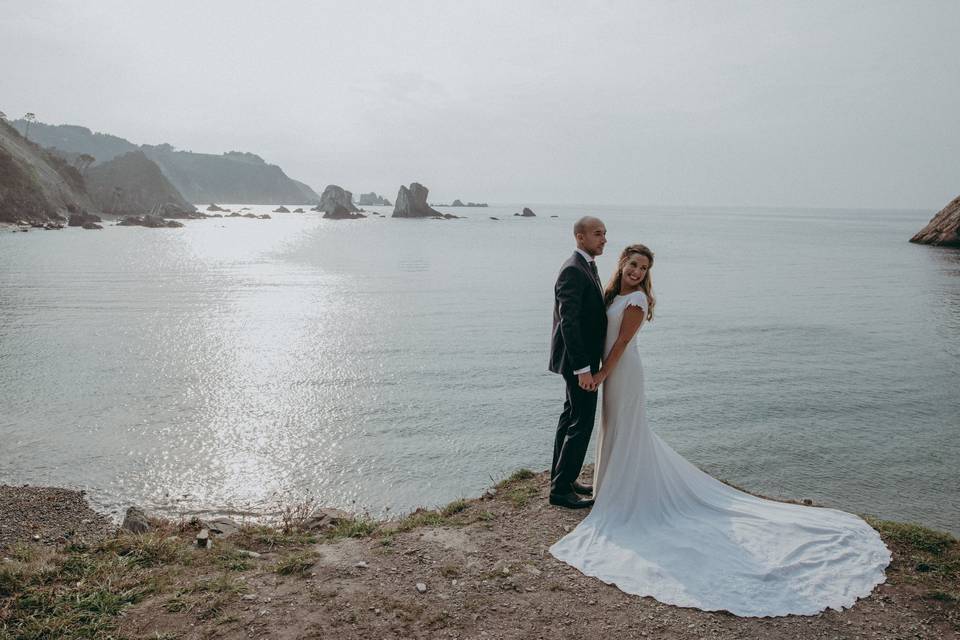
[[132, 184], [213, 207], [82, 218], [154, 222], [281, 209], [334, 196], [457, 203], [373, 200], [135, 521], [341, 213], [527, 213], [412, 203], [943, 229], [91, 225], [299, 210]]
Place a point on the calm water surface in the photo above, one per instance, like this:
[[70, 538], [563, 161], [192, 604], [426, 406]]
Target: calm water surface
[[234, 365]]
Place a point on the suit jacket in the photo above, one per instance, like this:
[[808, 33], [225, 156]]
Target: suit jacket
[[579, 319]]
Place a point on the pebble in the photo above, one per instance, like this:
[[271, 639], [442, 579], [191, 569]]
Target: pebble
[[361, 565], [421, 587]]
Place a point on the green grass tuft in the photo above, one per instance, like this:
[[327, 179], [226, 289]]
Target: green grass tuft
[[454, 508], [913, 535], [296, 564]]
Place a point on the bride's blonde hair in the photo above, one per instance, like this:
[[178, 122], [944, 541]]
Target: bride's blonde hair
[[613, 287]]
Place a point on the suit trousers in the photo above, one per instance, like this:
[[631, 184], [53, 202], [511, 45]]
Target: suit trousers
[[573, 435]]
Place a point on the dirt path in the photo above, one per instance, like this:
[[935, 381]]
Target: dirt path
[[487, 574]]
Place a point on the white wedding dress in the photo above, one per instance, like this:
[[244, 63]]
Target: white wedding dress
[[660, 527]]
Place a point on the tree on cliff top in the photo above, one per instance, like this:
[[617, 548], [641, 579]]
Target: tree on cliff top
[[29, 117]]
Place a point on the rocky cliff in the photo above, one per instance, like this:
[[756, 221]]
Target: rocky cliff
[[132, 184], [372, 199], [234, 176], [944, 228], [231, 177], [35, 185]]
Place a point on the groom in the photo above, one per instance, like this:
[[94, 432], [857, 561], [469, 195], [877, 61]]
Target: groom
[[579, 329]]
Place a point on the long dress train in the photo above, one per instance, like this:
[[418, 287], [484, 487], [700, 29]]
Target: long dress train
[[663, 528]]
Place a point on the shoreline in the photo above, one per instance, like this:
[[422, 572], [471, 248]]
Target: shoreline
[[476, 568]]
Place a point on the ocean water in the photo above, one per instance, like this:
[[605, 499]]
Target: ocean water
[[236, 365]]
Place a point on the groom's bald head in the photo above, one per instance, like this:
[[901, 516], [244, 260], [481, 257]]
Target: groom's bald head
[[591, 235]]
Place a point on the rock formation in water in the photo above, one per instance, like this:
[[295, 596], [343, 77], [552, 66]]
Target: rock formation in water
[[333, 197], [412, 203], [281, 209], [459, 203], [133, 184], [373, 200], [527, 213], [213, 207], [340, 212], [154, 222], [943, 229], [82, 219], [37, 186]]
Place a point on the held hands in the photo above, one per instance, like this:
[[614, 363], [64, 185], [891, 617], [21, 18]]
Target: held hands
[[590, 382]]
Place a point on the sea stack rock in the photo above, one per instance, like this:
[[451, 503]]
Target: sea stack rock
[[372, 199], [943, 229], [281, 209], [412, 203], [334, 196], [527, 213]]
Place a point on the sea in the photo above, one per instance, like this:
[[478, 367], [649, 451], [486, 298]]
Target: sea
[[237, 366]]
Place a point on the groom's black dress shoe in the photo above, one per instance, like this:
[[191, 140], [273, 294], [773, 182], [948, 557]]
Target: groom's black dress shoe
[[583, 489], [569, 500]]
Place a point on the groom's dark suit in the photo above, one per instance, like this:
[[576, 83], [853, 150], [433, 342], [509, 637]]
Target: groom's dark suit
[[579, 330]]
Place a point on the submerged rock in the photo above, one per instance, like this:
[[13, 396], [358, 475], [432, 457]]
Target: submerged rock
[[342, 213], [943, 229], [153, 222]]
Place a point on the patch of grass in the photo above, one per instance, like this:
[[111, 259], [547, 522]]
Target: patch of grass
[[359, 527], [520, 495], [918, 538], [942, 596], [421, 518], [296, 564], [517, 476], [149, 549], [454, 508], [232, 559], [223, 583], [266, 538]]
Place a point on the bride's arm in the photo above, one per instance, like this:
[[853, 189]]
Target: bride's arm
[[632, 319]]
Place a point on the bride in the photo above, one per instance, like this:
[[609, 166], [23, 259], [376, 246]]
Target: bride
[[660, 527]]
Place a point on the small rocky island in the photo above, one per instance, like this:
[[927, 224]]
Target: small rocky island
[[943, 229], [412, 203], [336, 203], [373, 200]]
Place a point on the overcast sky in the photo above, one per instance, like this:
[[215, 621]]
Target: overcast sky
[[847, 104]]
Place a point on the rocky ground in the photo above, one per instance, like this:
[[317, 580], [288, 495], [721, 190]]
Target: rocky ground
[[475, 569]]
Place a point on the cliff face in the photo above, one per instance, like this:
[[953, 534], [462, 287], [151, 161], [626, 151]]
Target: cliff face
[[132, 184], [234, 176], [231, 177], [35, 185], [75, 139], [944, 228]]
